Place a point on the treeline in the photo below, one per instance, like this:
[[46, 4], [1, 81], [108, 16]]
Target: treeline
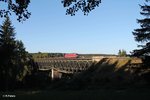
[[51, 55], [46, 55]]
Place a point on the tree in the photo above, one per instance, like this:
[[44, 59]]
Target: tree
[[122, 53], [84, 5], [13, 57], [7, 45], [119, 53], [19, 7], [142, 34]]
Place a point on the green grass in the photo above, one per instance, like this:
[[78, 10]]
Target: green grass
[[131, 94]]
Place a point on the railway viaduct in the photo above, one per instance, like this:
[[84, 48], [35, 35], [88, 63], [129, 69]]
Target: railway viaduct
[[57, 67], [61, 66]]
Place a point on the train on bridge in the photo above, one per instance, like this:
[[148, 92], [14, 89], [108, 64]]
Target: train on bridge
[[71, 55]]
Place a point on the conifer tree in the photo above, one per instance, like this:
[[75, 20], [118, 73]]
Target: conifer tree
[[142, 34], [13, 57], [7, 46]]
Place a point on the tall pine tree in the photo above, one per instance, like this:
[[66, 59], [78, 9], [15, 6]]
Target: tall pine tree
[[13, 57], [142, 34]]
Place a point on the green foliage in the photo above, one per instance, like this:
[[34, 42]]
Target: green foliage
[[142, 34], [122, 53], [19, 7], [84, 5], [14, 59], [46, 55]]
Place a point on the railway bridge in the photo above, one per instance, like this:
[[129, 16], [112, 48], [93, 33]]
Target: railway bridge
[[58, 67]]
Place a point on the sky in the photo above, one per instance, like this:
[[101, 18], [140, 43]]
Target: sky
[[105, 30]]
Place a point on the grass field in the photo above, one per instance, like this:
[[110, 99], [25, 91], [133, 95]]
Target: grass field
[[129, 94]]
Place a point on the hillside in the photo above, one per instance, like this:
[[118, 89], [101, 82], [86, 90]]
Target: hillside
[[110, 73]]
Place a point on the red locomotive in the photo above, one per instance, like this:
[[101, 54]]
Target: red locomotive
[[71, 55]]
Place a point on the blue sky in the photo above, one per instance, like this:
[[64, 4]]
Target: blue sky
[[105, 30]]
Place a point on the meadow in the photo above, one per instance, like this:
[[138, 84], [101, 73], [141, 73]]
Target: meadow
[[102, 94]]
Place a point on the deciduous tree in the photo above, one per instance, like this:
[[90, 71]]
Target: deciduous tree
[[20, 7], [84, 5], [122, 53]]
